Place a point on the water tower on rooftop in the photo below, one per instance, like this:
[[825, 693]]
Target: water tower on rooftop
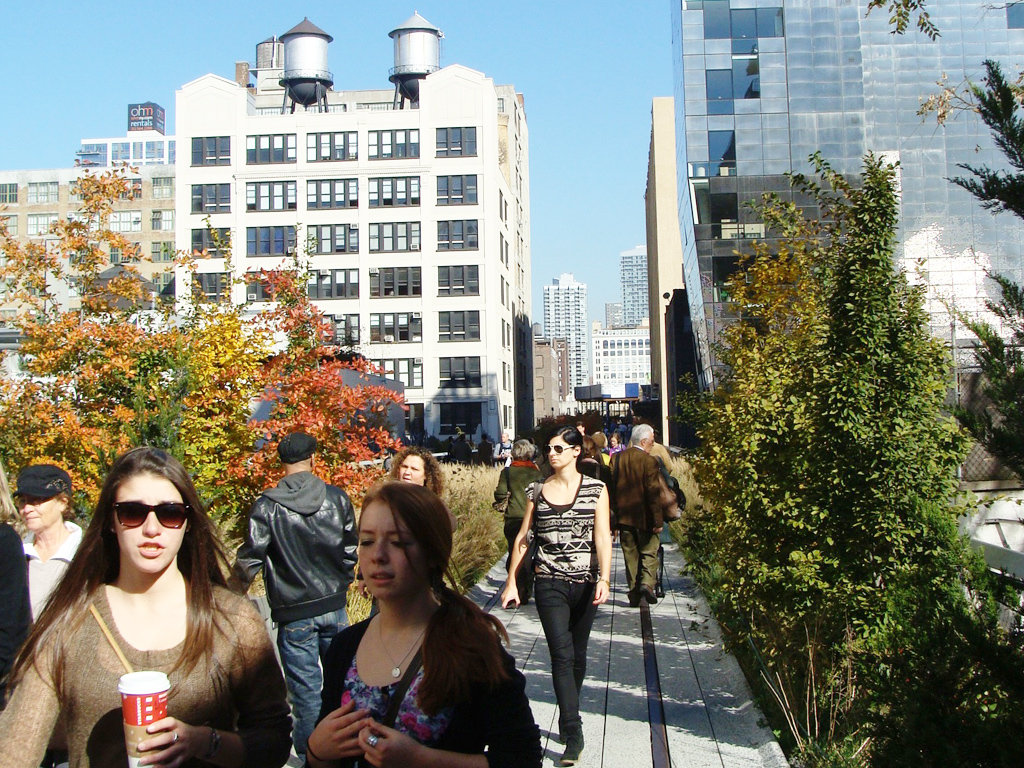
[[306, 77], [417, 54]]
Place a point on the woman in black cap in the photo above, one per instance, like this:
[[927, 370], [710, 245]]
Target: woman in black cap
[[43, 496]]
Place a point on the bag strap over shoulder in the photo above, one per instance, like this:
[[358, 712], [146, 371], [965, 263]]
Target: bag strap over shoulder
[[398, 695], [110, 637]]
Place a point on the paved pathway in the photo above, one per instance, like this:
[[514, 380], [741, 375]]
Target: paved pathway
[[710, 720]]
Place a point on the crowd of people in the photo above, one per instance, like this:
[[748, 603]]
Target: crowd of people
[[425, 680]]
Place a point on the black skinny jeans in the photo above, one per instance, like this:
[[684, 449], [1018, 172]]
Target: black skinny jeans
[[567, 611]]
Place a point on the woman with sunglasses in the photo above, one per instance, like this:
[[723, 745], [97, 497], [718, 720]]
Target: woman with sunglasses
[[146, 591], [570, 518]]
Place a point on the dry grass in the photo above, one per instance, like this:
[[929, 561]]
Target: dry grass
[[681, 470]]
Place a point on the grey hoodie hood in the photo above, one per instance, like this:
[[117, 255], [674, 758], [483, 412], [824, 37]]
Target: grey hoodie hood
[[302, 492]]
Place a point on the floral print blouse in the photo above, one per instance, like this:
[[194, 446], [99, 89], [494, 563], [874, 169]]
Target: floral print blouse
[[411, 720]]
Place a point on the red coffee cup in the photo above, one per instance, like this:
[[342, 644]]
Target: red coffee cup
[[143, 701]]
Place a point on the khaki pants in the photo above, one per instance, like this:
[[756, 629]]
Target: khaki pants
[[640, 553]]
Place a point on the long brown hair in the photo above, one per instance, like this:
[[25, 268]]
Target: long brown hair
[[201, 561], [434, 476], [462, 645]]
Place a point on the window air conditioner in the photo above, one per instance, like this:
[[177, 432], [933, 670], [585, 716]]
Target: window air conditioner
[[417, 315], [251, 296], [389, 339], [418, 361], [374, 271]]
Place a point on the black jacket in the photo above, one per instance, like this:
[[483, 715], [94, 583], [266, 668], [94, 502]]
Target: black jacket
[[498, 720], [302, 533], [15, 615]]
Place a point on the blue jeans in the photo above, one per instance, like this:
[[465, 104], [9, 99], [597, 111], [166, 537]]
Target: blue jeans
[[566, 610], [303, 643]]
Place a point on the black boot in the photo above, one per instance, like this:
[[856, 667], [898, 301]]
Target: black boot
[[573, 748]]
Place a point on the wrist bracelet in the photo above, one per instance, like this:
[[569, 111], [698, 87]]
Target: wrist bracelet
[[314, 755], [604, 580], [214, 744]]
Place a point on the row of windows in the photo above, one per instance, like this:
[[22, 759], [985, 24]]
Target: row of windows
[[324, 147], [322, 194], [389, 237], [48, 191], [385, 282], [453, 371]]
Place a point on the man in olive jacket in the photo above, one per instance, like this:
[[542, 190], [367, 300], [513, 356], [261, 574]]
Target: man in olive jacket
[[635, 493]]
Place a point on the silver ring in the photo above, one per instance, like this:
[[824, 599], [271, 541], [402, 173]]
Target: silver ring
[[175, 741], [372, 739]]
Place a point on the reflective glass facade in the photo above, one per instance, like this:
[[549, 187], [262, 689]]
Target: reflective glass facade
[[762, 84]]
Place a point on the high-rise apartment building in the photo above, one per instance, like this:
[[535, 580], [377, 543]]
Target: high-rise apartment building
[[565, 317], [409, 205], [633, 279], [613, 314], [758, 89]]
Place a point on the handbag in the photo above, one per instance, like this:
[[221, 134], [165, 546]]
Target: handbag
[[501, 505], [533, 542]]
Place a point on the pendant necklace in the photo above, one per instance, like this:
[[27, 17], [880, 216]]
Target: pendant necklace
[[396, 670]]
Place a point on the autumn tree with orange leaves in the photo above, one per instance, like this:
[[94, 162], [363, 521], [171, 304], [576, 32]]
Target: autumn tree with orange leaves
[[121, 369]]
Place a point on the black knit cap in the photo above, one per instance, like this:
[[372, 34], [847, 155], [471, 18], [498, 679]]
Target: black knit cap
[[298, 446], [43, 481]]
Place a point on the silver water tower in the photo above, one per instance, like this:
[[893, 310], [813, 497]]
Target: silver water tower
[[306, 77], [417, 54]]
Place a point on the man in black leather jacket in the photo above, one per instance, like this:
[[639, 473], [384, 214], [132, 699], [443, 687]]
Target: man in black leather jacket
[[302, 534]]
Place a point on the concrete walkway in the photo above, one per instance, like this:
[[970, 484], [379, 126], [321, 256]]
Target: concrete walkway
[[710, 719]]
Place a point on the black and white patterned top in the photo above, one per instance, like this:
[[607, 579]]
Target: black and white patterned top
[[566, 533]]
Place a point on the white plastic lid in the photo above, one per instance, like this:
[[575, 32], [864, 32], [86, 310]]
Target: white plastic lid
[[141, 683]]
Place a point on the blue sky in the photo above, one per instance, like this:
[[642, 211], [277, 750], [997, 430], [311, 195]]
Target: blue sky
[[588, 72]]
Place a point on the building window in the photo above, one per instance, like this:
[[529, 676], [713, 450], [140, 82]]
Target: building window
[[161, 251], [459, 326], [270, 196], [334, 238], [456, 190], [323, 147], [332, 193], [211, 150], [460, 372], [393, 144], [43, 192], [121, 152], [407, 370], [390, 327], [133, 192], [746, 75], [154, 151], [211, 241], [334, 284], [257, 291], [386, 282], [456, 142], [163, 187], [398, 191], [719, 91], [215, 286], [126, 221], [211, 198], [722, 153], [269, 241], [457, 235], [463, 417], [270, 149], [8, 193], [346, 328], [458, 281], [721, 23], [162, 221], [165, 284], [10, 223], [395, 237]]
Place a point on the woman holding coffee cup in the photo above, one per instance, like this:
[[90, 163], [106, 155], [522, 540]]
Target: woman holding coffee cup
[[146, 592]]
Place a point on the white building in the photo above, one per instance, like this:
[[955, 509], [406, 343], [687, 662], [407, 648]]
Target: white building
[[411, 208], [622, 355], [633, 276], [143, 144], [565, 317]]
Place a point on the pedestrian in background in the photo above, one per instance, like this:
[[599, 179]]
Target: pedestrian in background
[[511, 492], [15, 611], [417, 465]]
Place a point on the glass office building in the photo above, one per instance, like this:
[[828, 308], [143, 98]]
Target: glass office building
[[762, 84]]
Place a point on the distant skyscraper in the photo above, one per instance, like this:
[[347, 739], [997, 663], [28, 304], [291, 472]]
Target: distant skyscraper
[[758, 89], [565, 317], [613, 314], [633, 274], [622, 355]]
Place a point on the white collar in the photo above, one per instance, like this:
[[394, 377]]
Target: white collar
[[65, 552]]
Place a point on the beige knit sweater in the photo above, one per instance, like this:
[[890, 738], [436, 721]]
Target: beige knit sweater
[[239, 687]]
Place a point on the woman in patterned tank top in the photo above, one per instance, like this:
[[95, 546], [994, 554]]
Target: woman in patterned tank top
[[569, 515]]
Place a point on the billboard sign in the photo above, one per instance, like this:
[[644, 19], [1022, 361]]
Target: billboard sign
[[146, 117]]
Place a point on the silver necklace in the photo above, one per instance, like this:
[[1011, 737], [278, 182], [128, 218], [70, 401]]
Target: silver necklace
[[396, 670]]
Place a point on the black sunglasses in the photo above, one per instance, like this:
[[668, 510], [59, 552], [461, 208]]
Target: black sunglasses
[[132, 514], [558, 448]]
